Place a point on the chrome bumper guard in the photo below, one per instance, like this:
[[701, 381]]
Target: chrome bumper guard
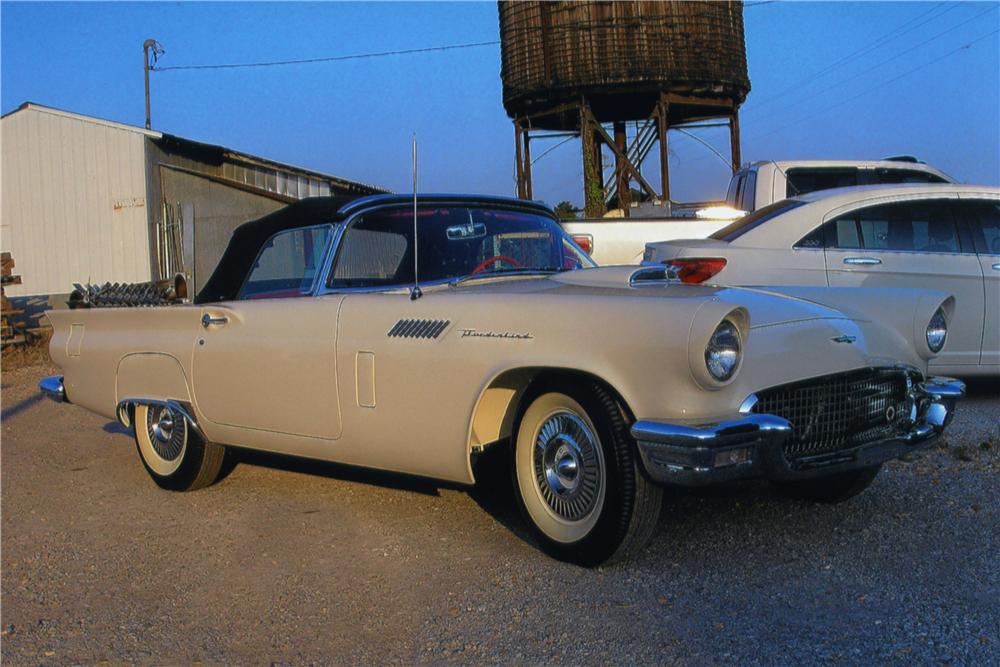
[[53, 388], [751, 445]]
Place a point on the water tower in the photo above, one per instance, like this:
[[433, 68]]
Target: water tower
[[587, 68]]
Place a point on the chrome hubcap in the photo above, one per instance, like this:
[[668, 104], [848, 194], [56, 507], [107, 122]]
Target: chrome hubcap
[[166, 436], [568, 470]]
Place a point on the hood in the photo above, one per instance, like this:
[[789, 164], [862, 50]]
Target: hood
[[765, 308]]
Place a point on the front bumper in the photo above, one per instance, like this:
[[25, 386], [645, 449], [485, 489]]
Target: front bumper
[[751, 445]]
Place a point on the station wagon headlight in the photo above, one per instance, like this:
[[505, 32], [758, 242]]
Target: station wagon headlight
[[724, 349], [937, 331]]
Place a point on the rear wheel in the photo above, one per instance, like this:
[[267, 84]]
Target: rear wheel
[[172, 452], [834, 488], [577, 478]]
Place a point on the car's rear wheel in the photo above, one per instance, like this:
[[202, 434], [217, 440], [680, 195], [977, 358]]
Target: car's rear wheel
[[172, 452], [577, 477], [834, 488]]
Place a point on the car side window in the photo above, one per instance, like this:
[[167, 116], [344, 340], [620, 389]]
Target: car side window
[[376, 252], [735, 186], [748, 192], [843, 233], [984, 222], [813, 239], [911, 226], [894, 176], [287, 264], [801, 180]]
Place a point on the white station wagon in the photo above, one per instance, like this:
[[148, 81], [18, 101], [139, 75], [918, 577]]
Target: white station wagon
[[936, 236]]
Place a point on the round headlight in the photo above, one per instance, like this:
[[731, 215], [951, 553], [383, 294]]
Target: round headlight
[[937, 331], [722, 355]]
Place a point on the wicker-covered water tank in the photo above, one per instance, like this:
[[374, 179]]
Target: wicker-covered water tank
[[620, 57]]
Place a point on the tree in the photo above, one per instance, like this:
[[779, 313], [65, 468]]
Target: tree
[[565, 210]]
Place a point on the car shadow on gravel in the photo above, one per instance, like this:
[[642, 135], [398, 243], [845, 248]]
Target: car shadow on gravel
[[21, 406], [981, 387], [683, 509], [236, 456], [755, 515]]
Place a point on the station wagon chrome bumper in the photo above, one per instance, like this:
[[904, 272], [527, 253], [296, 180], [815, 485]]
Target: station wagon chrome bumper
[[753, 445], [52, 387]]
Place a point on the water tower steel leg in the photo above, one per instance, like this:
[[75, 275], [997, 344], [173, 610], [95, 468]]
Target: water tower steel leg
[[593, 181], [518, 163], [662, 126], [527, 164], [734, 140], [622, 183]]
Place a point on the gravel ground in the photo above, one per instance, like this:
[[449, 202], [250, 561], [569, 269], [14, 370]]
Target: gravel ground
[[291, 562]]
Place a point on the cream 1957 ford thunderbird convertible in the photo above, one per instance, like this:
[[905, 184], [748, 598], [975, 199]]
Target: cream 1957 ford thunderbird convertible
[[313, 338]]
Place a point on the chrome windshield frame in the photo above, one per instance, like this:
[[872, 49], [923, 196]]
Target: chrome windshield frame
[[321, 288]]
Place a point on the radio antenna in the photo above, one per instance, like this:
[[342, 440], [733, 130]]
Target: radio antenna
[[415, 292]]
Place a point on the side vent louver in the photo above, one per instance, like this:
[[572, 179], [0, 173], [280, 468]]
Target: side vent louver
[[418, 328]]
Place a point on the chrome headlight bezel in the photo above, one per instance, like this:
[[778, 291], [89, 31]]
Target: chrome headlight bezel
[[936, 333], [724, 351]]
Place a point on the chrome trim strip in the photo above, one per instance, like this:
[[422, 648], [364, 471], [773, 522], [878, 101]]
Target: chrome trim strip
[[658, 274], [184, 408], [373, 201], [53, 388], [746, 407]]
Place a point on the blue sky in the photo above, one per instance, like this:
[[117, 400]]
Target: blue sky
[[911, 89]]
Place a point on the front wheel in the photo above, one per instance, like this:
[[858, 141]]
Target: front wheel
[[577, 478], [172, 452], [834, 488]]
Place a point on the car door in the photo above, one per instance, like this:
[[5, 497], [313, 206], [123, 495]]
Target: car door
[[267, 361], [914, 243], [983, 218]]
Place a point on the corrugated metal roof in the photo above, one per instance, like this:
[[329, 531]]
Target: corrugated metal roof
[[210, 152]]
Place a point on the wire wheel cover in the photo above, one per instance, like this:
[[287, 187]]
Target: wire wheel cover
[[567, 465], [167, 431]]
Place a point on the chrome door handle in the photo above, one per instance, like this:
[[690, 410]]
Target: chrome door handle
[[862, 260], [996, 267], [207, 320]]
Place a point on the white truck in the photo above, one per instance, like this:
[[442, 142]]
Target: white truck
[[622, 240]]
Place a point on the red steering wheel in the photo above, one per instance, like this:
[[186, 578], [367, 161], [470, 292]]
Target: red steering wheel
[[493, 260]]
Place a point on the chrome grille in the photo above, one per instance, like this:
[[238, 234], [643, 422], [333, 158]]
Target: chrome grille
[[837, 412]]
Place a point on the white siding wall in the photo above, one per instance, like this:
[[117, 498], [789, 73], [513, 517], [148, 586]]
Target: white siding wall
[[74, 204]]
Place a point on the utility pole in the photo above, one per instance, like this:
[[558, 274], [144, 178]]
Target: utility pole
[[149, 48]]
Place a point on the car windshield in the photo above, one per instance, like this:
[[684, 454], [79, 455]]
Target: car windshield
[[455, 243]]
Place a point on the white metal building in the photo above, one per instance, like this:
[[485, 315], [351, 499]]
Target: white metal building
[[89, 200]]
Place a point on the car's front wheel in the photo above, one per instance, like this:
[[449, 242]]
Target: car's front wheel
[[834, 488], [577, 477], [172, 452]]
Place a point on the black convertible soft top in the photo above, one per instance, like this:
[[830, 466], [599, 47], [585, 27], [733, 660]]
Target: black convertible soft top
[[226, 280], [248, 238]]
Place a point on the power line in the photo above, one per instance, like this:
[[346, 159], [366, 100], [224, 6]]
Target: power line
[[897, 56], [890, 36], [880, 85], [306, 61]]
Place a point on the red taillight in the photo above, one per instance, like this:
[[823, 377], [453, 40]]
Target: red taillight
[[697, 270], [585, 241]]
